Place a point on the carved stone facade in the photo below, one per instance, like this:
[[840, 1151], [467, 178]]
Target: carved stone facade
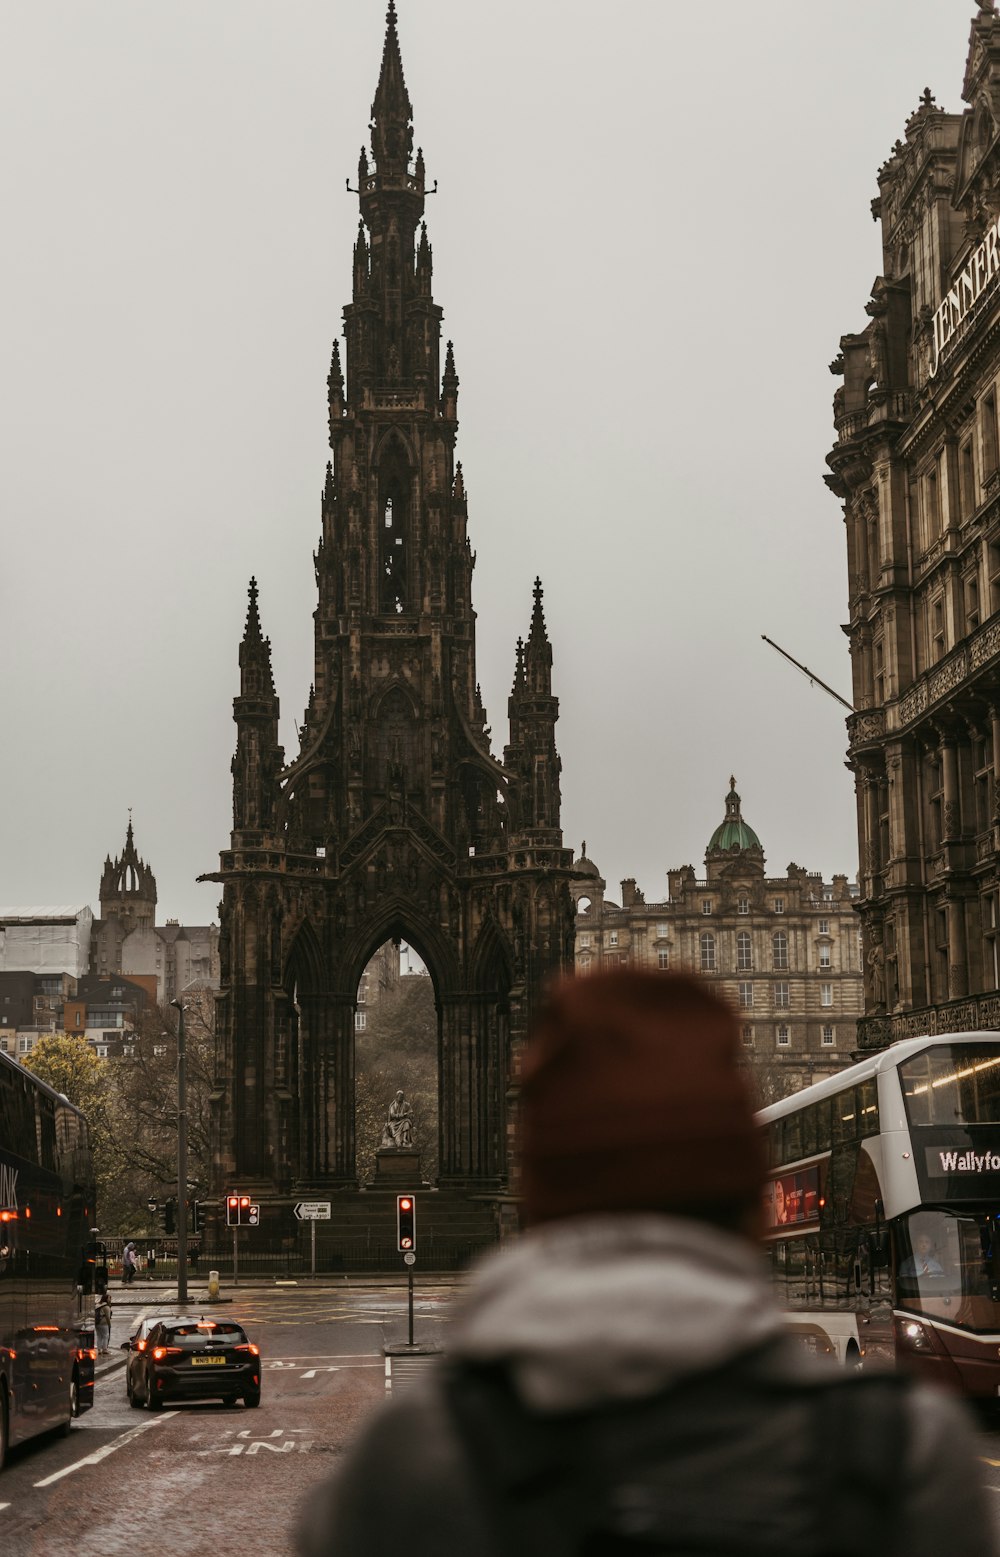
[[394, 821], [784, 950], [917, 467]]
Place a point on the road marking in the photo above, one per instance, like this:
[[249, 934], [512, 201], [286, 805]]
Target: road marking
[[3, 1506], [988, 1462], [109, 1448]]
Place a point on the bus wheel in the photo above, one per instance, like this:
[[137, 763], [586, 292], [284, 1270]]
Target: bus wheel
[[853, 1361], [4, 1423]]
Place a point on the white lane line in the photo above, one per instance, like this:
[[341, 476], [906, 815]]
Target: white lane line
[[109, 1448], [3, 1506]]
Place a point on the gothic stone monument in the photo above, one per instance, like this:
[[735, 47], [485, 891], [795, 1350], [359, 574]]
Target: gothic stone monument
[[394, 820]]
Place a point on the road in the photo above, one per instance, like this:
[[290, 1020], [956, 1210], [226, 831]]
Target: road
[[208, 1479]]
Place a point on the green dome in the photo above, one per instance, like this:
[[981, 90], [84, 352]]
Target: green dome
[[733, 833]]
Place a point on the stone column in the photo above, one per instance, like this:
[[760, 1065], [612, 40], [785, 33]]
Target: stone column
[[951, 821], [958, 962]]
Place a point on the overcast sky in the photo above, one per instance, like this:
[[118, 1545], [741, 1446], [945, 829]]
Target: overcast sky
[[652, 228]]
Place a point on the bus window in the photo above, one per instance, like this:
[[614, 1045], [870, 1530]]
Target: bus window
[[867, 1093], [793, 1137], [809, 1121], [845, 1116], [952, 1084]]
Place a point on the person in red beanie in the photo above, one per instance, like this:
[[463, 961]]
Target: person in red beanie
[[620, 1378]]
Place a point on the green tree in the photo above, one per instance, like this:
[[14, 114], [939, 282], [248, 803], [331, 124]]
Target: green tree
[[69, 1065]]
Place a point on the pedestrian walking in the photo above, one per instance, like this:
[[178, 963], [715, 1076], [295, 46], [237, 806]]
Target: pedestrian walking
[[102, 1322], [620, 1379], [128, 1264]]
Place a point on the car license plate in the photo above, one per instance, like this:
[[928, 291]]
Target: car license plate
[[206, 1362]]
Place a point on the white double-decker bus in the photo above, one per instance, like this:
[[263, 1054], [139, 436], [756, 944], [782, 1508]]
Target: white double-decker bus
[[883, 1210]]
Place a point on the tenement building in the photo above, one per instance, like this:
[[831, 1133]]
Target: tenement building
[[783, 949], [917, 467]]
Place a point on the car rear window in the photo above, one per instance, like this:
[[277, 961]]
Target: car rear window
[[198, 1334]]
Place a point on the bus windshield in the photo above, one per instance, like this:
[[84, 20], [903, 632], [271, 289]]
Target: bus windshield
[[948, 1267], [953, 1084]]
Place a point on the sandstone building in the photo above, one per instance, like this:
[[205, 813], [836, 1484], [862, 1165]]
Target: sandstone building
[[783, 949], [917, 467]]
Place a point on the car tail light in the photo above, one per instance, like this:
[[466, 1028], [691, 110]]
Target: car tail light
[[83, 1352], [159, 1352], [140, 1346], [249, 1347]]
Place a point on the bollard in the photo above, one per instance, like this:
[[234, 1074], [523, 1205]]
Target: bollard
[[213, 1286]]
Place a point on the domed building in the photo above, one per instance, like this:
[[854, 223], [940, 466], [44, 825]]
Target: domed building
[[784, 950]]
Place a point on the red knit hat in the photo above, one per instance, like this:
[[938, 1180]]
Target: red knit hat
[[632, 1099]]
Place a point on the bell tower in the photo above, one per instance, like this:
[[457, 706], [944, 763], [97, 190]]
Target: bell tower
[[394, 820]]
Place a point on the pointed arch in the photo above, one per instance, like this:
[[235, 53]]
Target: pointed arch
[[304, 959], [492, 961], [393, 920]]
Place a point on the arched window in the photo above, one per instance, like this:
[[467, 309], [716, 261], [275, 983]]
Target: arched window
[[744, 952], [779, 944], [708, 954]]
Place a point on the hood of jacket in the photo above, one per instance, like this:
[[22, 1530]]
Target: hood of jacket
[[604, 1308]]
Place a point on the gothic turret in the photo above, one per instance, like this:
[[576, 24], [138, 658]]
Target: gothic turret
[[258, 758], [128, 887], [531, 752]]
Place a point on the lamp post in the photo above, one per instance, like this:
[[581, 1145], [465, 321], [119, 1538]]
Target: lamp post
[[182, 1147]]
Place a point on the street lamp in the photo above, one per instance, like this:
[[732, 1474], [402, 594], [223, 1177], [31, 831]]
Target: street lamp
[[182, 1167]]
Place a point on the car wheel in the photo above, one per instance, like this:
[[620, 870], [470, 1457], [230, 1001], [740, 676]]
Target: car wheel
[[252, 1397], [133, 1398], [4, 1420], [74, 1405]]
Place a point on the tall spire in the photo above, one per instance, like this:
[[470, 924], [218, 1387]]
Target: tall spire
[[392, 132], [256, 679], [538, 653]]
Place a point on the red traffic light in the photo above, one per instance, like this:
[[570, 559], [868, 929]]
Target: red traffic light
[[406, 1223]]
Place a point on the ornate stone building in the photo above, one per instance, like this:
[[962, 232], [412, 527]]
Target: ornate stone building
[[917, 467], [783, 949], [394, 820]]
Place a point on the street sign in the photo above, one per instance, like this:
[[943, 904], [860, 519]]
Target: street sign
[[313, 1211], [409, 1258]]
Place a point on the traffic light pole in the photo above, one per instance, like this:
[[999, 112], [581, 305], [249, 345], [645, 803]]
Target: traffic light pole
[[409, 1272], [236, 1256], [182, 1171]]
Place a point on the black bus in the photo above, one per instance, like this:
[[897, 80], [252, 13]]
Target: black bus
[[46, 1264]]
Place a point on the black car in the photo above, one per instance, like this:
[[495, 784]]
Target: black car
[[194, 1359]]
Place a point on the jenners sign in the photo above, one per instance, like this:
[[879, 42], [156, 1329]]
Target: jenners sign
[[979, 277]]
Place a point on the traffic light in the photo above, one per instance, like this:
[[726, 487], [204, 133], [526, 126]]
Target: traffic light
[[241, 1211], [170, 1217], [193, 1216], [406, 1223]]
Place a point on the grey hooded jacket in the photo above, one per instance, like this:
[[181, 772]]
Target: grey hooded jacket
[[596, 1316]]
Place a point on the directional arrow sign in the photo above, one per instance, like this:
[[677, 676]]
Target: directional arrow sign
[[313, 1210]]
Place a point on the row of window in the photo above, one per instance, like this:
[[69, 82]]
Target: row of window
[[744, 951], [783, 1036], [780, 995]]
